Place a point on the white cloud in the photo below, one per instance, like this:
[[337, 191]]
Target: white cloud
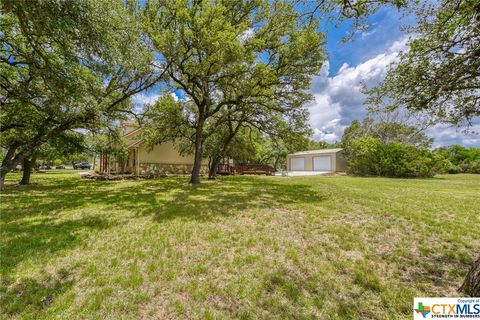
[[447, 135], [174, 96], [143, 98], [368, 33], [339, 100], [247, 34]]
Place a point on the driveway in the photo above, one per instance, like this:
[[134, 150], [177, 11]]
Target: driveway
[[303, 173]]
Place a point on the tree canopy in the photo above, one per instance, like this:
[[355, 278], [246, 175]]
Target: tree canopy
[[230, 58], [439, 73], [66, 65], [391, 149], [385, 132]]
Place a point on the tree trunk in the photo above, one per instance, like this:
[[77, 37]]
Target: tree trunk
[[15, 157], [94, 161], [8, 164], [212, 173], [27, 171], [197, 164], [275, 165], [216, 160], [28, 165], [3, 173], [471, 284]]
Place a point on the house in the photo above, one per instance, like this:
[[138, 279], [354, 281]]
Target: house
[[142, 159], [330, 160]]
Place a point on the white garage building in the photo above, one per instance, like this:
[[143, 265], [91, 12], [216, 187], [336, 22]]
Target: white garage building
[[326, 160]]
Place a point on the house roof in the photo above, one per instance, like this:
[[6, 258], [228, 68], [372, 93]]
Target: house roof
[[132, 132], [318, 151], [134, 143]]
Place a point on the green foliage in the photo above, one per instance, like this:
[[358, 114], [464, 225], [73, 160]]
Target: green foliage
[[318, 145], [439, 74], [370, 157], [347, 12], [446, 166], [66, 65], [69, 147], [472, 167], [386, 132], [460, 159], [390, 149], [235, 62], [244, 146], [169, 120], [253, 146], [394, 149]]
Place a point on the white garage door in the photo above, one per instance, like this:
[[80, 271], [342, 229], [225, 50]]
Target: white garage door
[[297, 164], [323, 163]]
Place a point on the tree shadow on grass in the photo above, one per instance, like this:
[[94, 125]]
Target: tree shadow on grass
[[27, 294], [33, 240], [230, 197], [49, 199], [166, 198], [31, 228]]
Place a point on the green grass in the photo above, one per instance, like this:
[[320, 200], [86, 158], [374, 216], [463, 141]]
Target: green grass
[[241, 247]]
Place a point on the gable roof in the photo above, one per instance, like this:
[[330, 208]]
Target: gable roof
[[134, 143], [132, 132], [335, 150]]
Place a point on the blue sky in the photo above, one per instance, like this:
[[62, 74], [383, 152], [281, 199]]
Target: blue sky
[[383, 32], [364, 59]]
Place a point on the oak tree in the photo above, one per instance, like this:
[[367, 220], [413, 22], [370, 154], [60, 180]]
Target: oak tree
[[223, 55], [66, 65]]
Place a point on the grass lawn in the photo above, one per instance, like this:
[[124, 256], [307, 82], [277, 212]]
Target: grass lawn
[[240, 247]]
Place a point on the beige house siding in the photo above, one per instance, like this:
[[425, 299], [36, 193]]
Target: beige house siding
[[165, 168], [337, 160], [161, 159], [165, 158], [163, 153], [132, 136]]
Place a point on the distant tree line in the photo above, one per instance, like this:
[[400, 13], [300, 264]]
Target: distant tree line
[[459, 159], [393, 149]]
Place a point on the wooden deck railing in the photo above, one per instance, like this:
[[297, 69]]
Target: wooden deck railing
[[245, 168], [225, 169]]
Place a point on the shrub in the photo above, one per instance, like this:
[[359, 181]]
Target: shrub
[[368, 156], [463, 159], [446, 166], [471, 167]]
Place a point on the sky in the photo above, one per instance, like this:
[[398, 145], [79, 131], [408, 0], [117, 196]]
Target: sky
[[364, 59]]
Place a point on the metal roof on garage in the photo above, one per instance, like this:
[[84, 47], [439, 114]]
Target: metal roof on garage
[[318, 151]]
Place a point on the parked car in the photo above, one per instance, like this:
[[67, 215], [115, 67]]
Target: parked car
[[82, 165], [60, 167]]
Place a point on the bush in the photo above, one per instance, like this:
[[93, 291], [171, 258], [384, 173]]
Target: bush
[[471, 167], [462, 159], [370, 157], [446, 166]]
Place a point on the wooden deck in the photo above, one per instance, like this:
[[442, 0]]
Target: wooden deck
[[245, 168]]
